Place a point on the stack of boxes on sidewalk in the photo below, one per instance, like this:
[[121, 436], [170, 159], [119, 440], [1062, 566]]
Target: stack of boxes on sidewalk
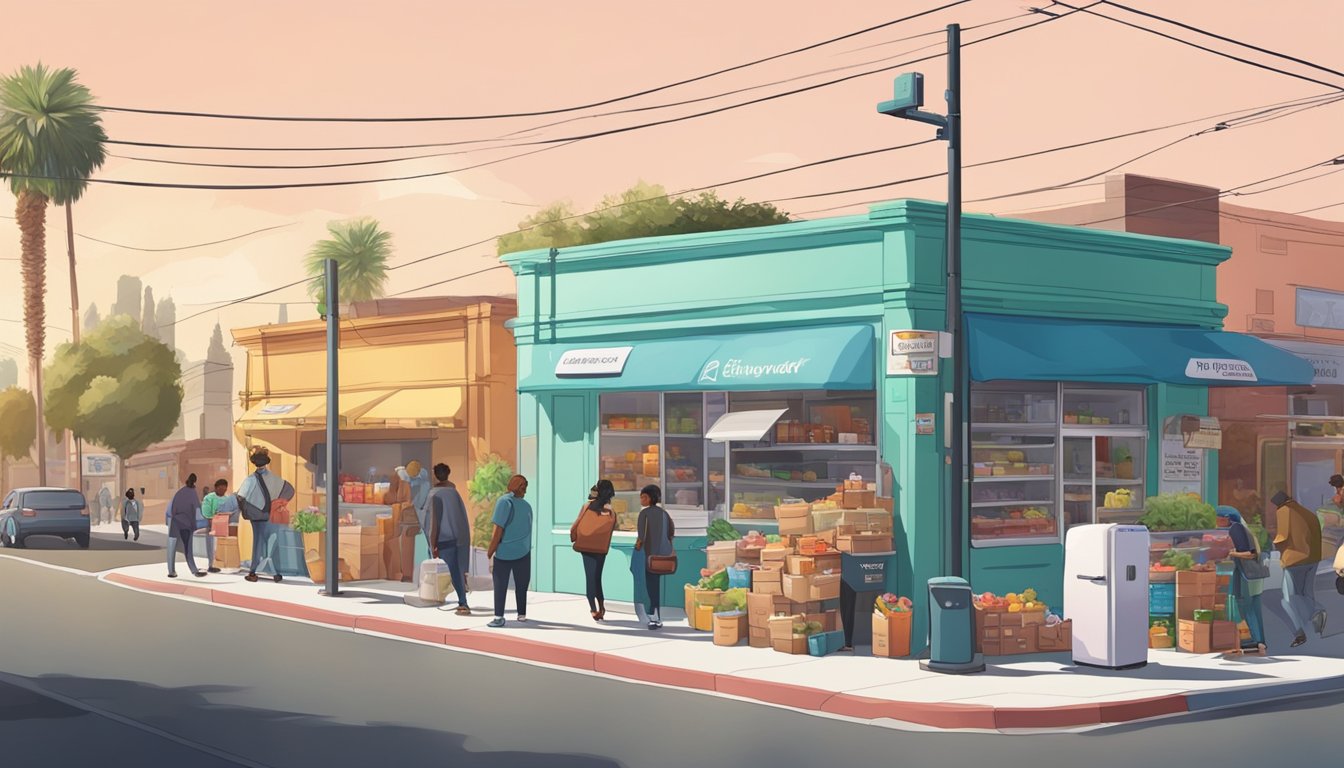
[[1018, 624], [1201, 613], [383, 549]]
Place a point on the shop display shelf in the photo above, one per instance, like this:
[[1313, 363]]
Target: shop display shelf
[[1015, 446], [631, 433], [1011, 503], [774, 483], [685, 484], [793, 447], [1012, 478], [1113, 481], [1009, 427]]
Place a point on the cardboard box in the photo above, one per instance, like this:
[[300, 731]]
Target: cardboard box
[[1194, 636], [758, 637], [795, 526], [810, 606], [827, 536], [859, 499], [767, 581], [392, 559], [1223, 636], [1010, 641], [796, 645], [1186, 606], [863, 543], [812, 587], [361, 538], [1196, 583], [826, 587], [760, 607], [407, 542], [729, 630], [829, 562], [891, 634], [801, 565], [720, 555], [1056, 638], [704, 618], [226, 552], [775, 557], [781, 627], [859, 520], [829, 620]]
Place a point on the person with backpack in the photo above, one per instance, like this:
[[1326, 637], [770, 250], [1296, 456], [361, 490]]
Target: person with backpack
[[132, 509], [591, 536], [653, 546], [1249, 571], [450, 532], [510, 548], [259, 492]]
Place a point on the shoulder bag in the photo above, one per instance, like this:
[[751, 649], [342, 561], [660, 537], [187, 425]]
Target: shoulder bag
[[1254, 569], [593, 531], [255, 514], [660, 565]]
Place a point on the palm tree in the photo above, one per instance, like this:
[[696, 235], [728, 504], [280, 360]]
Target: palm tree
[[51, 141], [361, 249]]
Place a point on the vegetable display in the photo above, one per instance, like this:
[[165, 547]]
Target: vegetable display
[[889, 603], [1181, 561], [733, 600], [713, 579], [807, 629], [722, 530], [1178, 512]]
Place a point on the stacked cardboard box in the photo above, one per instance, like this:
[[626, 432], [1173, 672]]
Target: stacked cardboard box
[[1207, 636], [782, 638], [760, 607], [226, 552], [1195, 591], [1001, 633], [720, 555], [794, 517], [811, 587], [891, 634], [362, 551], [729, 629]]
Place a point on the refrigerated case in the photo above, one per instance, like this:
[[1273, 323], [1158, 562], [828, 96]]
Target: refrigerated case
[[1106, 594]]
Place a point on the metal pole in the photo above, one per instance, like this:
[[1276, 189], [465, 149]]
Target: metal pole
[[333, 429], [76, 445], [960, 374]]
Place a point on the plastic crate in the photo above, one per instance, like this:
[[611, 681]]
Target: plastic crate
[[825, 643]]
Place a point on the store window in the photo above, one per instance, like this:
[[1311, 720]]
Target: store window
[[1014, 429], [1104, 455], [629, 449], [370, 462]]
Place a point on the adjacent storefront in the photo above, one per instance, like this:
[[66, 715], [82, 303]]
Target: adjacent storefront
[[743, 369]]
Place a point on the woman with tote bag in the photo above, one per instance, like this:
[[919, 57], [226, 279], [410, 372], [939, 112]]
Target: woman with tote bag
[[654, 543], [591, 536], [1248, 579]]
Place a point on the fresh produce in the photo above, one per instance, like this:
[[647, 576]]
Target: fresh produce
[[722, 530], [754, 540], [733, 600], [1012, 602], [1178, 512], [715, 580], [772, 538], [890, 603], [807, 629], [1121, 499], [1179, 561]]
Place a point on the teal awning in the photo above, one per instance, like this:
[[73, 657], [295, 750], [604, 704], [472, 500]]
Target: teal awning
[[1004, 347], [831, 357]]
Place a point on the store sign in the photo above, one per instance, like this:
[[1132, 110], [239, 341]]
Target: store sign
[[1212, 369], [924, 424], [913, 353], [608, 361], [1320, 309], [100, 465], [1327, 361], [1181, 464], [736, 369]]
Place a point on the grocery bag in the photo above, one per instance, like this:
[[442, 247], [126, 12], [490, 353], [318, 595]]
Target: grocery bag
[[434, 580]]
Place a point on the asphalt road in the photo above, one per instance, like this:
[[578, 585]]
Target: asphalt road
[[106, 551], [263, 691]]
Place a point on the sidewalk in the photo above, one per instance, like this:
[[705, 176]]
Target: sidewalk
[[1015, 694]]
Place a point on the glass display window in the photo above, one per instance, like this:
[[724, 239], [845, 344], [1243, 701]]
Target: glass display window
[[629, 449], [1097, 407], [1103, 479], [1029, 404], [684, 442]]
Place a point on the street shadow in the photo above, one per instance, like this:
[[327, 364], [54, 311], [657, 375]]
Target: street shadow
[[297, 739], [104, 542], [21, 704]]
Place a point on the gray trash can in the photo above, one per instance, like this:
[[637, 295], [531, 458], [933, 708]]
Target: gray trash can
[[951, 628]]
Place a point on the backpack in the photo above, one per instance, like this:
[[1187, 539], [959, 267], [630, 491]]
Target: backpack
[[251, 512]]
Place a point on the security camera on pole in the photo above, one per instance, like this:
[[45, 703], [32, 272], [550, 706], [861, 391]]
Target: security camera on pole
[[948, 651]]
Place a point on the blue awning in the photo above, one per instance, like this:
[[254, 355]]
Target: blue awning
[[1004, 347], [830, 357]]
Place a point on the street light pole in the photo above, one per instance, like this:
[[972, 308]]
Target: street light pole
[[333, 428], [909, 96]]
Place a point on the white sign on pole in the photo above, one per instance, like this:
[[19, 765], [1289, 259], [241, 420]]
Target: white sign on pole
[[913, 353]]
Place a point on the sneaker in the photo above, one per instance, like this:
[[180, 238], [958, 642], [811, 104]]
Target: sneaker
[[497, 622], [655, 624], [199, 574], [1299, 640], [252, 577], [463, 610], [125, 535], [522, 617], [1318, 621], [278, 578], [172, 575], [213, 569]]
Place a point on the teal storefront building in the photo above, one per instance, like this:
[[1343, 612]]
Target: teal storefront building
[[739, 368]]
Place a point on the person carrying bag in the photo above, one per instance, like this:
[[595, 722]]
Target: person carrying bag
[[591, 536], [1248, 579], [655, 543]]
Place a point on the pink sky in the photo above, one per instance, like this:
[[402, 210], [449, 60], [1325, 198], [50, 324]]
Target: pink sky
[[1064, 82]]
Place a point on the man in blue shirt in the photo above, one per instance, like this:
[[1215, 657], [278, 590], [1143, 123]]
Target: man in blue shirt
[[511, 548]]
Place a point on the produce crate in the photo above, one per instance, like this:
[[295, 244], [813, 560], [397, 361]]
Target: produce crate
[[730, 628], [825, 643], [891, 634], [1195, 636], [1052, 639], [1195, 583]]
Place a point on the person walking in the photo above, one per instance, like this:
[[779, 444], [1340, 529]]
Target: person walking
[[1248, 579], [182, 511], [451, 532], [132, 510], [1299, 545], [511, 548], [216, 503], [261, 489], [591, 536], [654, 534]]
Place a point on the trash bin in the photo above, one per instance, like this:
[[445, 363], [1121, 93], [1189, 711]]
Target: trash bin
[[951, 628]]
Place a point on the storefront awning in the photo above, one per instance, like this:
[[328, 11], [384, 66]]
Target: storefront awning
[[290, 411], [743, 426], [832, 357], [432, 404], [1004, 347]]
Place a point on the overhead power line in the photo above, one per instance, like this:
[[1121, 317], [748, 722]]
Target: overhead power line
[[175, 248], [538, 113]]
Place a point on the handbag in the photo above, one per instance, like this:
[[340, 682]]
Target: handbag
[[1254, 569], [660, 565], [593, 531]]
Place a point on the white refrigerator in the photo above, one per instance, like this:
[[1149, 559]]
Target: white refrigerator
[[1106, 594]]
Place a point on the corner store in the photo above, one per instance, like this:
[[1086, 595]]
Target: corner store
[[768, 319]]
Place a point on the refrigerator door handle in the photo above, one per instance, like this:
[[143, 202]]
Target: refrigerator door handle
[[1098, 579]]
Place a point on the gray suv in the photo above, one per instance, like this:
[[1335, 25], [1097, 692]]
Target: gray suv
[[59, 512]]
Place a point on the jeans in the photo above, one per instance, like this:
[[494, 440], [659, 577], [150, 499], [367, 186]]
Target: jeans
[[1299, 595], [448, 554], [1249, 608], [259, 548], [521, 571], [592, 568], [209, 548], [182, 535], [653, 582], [127, 525]]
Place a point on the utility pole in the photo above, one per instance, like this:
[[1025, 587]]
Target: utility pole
[[333, 429], [909, 97]]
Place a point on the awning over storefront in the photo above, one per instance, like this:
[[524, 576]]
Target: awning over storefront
[[1004, 347], [287, 412], [432, 404], [1326, 359], [832, 357]]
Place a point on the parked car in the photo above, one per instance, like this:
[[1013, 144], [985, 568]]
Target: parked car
[[62, 512]]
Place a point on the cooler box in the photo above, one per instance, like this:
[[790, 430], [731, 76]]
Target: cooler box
[[824, 643]]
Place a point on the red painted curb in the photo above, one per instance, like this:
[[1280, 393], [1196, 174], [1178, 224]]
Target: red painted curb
[[402, 629], [1070, 716], [1142, 709], [796, 696], [200, 593], [921, 713], [643, 671], [519, 648], [153, 586], [285, 609]]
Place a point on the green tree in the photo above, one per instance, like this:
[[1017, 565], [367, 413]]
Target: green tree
[[644, 210], [490, 482], [18, 426], [118, 388], [51, 141], [361, 249]]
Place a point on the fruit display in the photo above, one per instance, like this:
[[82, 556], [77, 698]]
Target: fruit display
[[1120, 499], [713, 579], [683, 420], [889, 603], [1013, 521], [766, 472], [1177, 560], [632, 423], [1013, 602]]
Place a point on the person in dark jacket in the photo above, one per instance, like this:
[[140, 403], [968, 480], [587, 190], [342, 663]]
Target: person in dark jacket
[[654, 532], [450, 532], [182, 526], [1244, 590], [599, 503], [132, 509]]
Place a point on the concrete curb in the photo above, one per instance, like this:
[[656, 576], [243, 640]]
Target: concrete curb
[[930, 714]]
